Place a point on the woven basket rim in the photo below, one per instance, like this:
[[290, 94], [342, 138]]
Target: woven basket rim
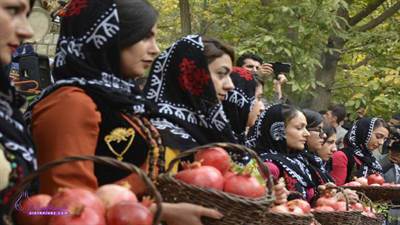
[[169, 178]]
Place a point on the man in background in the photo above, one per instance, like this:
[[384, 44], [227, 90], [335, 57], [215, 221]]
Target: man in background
[[335, 116]]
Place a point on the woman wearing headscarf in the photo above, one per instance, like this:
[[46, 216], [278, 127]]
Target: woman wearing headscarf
[[356, 159], [17, 158], [188, 82], [314, 144], [95, 107], [241, 102], [329, 145], [279, 136]]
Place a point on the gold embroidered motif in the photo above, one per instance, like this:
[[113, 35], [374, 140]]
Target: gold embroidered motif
[[118, 135]]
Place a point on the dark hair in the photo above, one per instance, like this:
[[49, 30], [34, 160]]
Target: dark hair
[[339, 111], [396, 116], [289, 112], [136, 18], [313, 118], [258, 79], [213, 49], [240, 60], [395, 147], [328, 129], [141, 82], [381, 123]]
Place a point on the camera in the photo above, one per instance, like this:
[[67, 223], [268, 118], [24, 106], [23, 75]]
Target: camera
[[280, 67]]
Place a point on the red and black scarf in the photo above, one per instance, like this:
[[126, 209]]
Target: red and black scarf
[[189, 113]]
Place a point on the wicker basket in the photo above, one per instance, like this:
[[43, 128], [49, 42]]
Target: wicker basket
[[380, 218], [237, 210], [340, 217], [376, 193], [287, 219], [7, 219]]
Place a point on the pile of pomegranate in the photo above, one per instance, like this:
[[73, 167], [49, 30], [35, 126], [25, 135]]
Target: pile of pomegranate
[[110, 204], [371, 180], [213, 169]]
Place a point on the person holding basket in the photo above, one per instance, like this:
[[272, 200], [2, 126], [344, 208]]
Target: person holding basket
[[95, 107]]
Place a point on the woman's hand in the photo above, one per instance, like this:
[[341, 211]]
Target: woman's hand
[[187, 214], [280, 192]]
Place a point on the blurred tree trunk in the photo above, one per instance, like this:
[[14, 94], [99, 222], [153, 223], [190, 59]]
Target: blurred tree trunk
[[186, 21]]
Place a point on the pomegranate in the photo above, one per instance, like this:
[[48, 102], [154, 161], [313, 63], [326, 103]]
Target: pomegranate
[[79, 215], [31, 205], [339, 206], [129, 213], [357, 206], [202, 176], [375, 179], [323, 209], [216, 157], [110, 194], [326, 201], [304, 205], [68, 198], [296, 210], [280, 209], [244, 185], [362, 180], [352, 184]]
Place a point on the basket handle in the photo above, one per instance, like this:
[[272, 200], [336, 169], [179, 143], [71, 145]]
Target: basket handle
[[346, 197], [262, 168], [97, 159]]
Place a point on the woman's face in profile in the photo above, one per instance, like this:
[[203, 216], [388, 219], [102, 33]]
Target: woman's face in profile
[[14, 27]]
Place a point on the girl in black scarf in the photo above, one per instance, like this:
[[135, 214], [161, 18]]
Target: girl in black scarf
[[314, 144], [356, 159], [95, 107], [17, 158], [279, 136], [188, 91], [240, 102]]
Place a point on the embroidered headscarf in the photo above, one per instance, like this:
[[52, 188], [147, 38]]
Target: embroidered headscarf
[[88, 53], [189, 113], [356, 141], [268, 138], [239, 102]]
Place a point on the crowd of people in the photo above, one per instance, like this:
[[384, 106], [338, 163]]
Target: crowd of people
[[193, 95]]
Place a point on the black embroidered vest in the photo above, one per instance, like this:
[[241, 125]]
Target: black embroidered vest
[[118, 135]]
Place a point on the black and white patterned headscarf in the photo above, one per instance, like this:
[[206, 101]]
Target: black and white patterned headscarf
[[239, 101], [268, 138], [356, 140], [88, 55], [189, 113]]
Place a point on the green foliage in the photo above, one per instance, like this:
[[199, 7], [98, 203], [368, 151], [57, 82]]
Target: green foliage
[[299, 34]]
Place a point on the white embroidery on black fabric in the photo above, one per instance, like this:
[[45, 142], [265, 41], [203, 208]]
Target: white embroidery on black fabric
[[5, 108], [277, 131], [105, 30], [27, 152], [9, 119], [157, 83], [370, 130], [163, 124], [237, 98], [219, 119]]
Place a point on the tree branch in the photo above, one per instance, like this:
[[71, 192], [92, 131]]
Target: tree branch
[[265, 2], [378, 20], [359, 64], [365, 12]]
